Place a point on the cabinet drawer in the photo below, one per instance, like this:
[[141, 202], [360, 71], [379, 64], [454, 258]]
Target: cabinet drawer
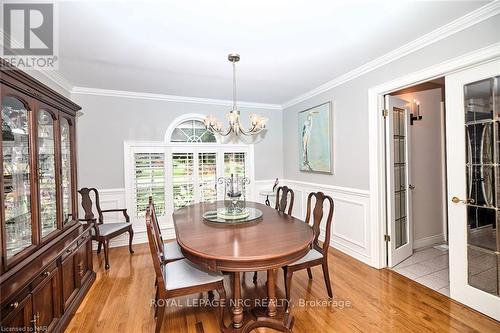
[[83, 238], [69, 251], [14, 304], [19, 317], [44, 275]]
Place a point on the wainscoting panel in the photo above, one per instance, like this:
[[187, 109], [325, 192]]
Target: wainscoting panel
[[350, 228]]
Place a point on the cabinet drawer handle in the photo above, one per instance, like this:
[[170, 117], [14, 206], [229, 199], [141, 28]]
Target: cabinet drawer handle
[[46, 273], [14, 305]]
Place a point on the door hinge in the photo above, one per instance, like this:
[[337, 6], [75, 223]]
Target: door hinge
[[387, 238], [385, 113]]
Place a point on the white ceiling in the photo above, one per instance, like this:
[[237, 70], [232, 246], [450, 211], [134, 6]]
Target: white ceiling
[[287, 47]]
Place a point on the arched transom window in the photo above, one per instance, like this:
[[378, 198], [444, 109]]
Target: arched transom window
[[192, 131]]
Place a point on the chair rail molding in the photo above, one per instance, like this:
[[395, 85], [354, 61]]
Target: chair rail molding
[[350, 227]]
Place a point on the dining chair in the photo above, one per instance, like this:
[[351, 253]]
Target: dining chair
[[180, 277], [170, 251], [104, 232], [281, 205], [317, 255]]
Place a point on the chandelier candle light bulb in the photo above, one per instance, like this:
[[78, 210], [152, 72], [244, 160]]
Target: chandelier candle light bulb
[[257, 122]]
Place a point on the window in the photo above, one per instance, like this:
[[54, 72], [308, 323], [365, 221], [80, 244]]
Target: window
[[192, 131], [149, 180], [182, 170]]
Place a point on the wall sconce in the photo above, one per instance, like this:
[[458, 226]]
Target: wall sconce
[[415, 111]]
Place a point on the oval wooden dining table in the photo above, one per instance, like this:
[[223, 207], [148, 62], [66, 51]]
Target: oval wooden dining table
[[264, 244]]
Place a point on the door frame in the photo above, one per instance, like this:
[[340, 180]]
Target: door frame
[[378, 212]]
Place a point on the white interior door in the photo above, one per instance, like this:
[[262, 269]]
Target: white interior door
[[399, 227], [473, 161]]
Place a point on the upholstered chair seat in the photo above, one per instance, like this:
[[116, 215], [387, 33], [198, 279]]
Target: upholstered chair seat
[[180, 277], [312, 255], [184, 274], [109, 228], [171, 252]]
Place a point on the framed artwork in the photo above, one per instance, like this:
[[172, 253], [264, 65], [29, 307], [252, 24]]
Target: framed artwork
[[315, 139]]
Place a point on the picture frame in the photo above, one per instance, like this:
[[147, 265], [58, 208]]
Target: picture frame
[[315, 135]]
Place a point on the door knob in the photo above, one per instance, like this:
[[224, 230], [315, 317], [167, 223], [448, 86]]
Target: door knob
[[466, 201]]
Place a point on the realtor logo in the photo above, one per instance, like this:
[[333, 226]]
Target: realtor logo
[[29, 39]]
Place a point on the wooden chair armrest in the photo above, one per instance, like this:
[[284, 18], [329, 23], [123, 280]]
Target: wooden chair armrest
[[92, 223], [123, 210]]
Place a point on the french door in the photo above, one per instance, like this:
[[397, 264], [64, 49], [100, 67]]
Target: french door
[[400, 241], [473, 163]]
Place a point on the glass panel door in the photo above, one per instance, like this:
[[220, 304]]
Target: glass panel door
[[483, 203], [400, 242], [66, 171], [16, 175], [47, 172], [473, 160]]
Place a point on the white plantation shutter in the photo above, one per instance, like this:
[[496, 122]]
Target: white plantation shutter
[[183, 179], [149, 180], [207, 177]]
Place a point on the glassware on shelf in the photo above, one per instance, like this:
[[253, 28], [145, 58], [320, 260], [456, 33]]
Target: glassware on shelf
[[16, 175], [67, 197], [47, 173]]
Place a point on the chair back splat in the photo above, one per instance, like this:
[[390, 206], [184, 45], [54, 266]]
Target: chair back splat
[[88, 204], [155, 247], [282, 200], [317, 213]]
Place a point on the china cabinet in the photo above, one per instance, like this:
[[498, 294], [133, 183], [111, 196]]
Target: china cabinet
[[46, 258]]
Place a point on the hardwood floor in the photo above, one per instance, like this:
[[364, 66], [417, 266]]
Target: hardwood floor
[[368, 300]]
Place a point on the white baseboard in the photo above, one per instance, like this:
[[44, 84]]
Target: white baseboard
[[428, 241]]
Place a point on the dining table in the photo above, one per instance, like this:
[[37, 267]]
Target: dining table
[[264, 243]]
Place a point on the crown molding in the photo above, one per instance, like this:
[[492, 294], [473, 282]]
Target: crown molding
[[462, 23], [169, 98], [455, 26]]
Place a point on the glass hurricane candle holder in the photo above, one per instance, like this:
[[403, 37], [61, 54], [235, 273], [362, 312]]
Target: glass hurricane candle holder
[[234, 200]]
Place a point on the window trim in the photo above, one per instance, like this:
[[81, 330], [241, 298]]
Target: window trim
[[179, 120]]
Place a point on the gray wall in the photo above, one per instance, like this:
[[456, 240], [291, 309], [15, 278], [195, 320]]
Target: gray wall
[[426, 165], [350, 107], [108, 121]]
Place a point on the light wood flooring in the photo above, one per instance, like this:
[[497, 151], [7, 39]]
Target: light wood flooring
[[367, 300]]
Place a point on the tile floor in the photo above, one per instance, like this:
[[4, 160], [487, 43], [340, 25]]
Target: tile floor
[[428, 266]]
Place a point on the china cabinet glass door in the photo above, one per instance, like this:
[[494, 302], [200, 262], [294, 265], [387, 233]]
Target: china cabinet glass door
[[66, 173], [16, 175], [47, 172]]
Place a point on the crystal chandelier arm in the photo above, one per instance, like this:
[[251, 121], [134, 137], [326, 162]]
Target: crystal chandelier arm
[[212, 129], [251, 131]]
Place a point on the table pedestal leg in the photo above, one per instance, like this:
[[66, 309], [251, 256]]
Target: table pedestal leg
[[237, 307], [271, 293]]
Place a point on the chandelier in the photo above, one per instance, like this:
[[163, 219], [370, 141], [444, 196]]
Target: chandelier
[[257, 123]]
